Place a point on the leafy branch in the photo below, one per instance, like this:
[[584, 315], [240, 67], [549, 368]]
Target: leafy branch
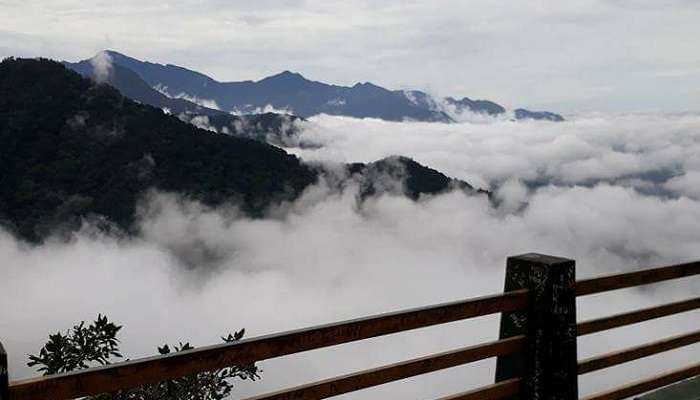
[[97, 344]]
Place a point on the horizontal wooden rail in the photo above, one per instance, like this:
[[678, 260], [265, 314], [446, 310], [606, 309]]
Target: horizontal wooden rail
[[402, 370], [635, 353], [497, 391], [630, 279], [646, 385], [155, 369], [629, 318]]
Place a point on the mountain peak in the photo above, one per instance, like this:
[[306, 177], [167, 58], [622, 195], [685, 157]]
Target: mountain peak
[[285, 76], [369, 88], [112, 55], [366, 85], [288, 73]]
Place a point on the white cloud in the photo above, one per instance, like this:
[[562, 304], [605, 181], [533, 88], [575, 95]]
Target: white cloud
[[209, 103], [102, 66], [200, 121], [268, 108], [586, 149], [687, 184], [512, 195], [322, 259]]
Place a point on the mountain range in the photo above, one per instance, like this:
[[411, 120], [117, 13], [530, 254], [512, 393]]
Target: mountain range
[[73, 149], [267, 126], [182, 90]]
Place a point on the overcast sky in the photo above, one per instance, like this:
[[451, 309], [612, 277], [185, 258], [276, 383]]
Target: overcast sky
[[564, 56]]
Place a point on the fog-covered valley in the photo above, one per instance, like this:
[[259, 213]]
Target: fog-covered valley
[[612, 191]]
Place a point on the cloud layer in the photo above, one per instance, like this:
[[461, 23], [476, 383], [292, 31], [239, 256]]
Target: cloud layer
[[637, 149], [194, 273]]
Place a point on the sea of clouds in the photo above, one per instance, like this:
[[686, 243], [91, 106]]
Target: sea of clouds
[[615, 192]]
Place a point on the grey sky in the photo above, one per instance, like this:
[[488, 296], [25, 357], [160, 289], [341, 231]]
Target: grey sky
[[564, 56]]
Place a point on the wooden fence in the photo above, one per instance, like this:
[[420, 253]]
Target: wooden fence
[[536, 353]]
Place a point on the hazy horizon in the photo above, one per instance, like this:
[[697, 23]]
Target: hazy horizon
[[588, 55]]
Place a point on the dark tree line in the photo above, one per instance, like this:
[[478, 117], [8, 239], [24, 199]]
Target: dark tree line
[[71, 149]]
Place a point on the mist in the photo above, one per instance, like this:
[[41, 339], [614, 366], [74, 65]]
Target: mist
[[613, 192], [633, 149], [102, 66]]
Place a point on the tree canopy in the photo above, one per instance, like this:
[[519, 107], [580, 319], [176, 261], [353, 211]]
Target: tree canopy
[[72, 148]]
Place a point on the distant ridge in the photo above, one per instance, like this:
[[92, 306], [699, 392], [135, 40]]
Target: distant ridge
[[131, 85], [265, 127], [303, 97]]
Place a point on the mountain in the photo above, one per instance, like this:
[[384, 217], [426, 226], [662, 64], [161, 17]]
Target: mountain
[[131, 85], [521, 113], [414, 179], [277, 129], [270, 127], [303, 97], [286, 90], [477, 106], [72, 149]]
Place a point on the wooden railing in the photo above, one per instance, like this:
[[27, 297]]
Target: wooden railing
[[629, 280], [537, 352]]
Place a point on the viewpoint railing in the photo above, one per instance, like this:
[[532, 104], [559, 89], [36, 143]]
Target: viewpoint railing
[[537, 351], [628, 280]]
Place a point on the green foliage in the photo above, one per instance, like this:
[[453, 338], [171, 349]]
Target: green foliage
[[97, 344], [79, 347], [72, 149]]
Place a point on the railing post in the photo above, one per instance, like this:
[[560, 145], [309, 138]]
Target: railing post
[[4, 375], [547, 364]]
